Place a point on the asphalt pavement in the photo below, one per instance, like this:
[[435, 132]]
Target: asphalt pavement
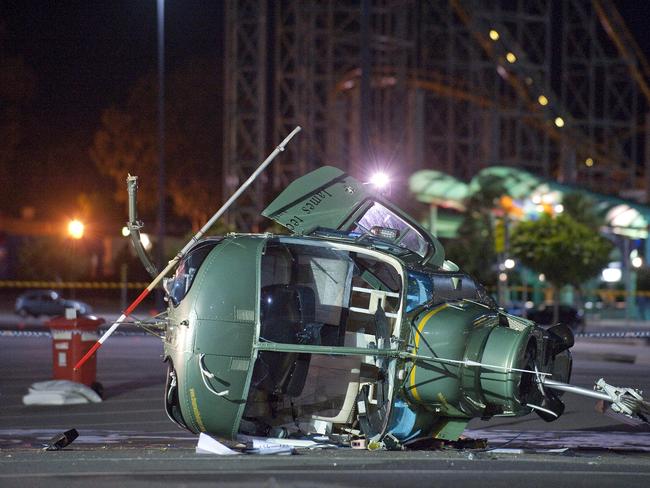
[[127, 439]]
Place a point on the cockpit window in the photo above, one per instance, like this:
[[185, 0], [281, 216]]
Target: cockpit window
[[186, 271], [419, 291], [440, 286], [406, 236]]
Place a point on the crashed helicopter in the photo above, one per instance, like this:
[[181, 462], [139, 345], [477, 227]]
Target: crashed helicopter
[[354, 323]]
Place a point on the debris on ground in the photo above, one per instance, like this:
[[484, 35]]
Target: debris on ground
[[209, 445], [62, 440]]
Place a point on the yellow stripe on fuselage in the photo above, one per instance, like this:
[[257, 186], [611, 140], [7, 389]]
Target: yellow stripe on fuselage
[[423, 322], [195, 409]]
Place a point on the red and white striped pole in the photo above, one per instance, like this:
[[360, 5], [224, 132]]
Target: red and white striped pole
[[187, 247]]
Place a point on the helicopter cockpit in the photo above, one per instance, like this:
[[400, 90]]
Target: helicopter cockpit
[[322, 295]]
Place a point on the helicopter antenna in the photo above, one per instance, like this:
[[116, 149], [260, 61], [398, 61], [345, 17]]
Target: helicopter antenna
[[187, 247]]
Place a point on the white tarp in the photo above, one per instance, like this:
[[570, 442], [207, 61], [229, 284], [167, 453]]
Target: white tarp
[[60, 392]]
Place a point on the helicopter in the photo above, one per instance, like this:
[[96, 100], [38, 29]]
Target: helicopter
[[354, 323]]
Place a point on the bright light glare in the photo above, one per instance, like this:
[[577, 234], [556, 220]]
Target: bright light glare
[[509, 263], [559, 208], [542, 277], [637, 261], [511, 58], [494, 35], [380, 180], [559, 121], [611, 275], [542, 100], [503, 277], [76, 229], [589, 162], [144, 238], [146, 241]]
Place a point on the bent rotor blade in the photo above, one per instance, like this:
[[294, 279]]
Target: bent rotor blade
[[183, 251]]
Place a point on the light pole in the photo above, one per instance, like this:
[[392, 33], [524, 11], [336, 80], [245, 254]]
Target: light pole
[[160, 255]]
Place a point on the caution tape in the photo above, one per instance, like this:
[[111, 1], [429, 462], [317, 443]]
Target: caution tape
[[640, 334], [25, 333], [602, 293], [47, 333], [591, 335], [73, 284]]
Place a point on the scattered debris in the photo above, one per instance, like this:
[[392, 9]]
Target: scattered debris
[[209, 445], [270, 449], [60, 441], [358, 444], [432, 444]]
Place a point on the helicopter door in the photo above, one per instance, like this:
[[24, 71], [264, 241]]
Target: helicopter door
[[330, 199], [323, 198]]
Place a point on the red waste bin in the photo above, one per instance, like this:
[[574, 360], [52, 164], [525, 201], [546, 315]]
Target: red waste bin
[[71, 339]]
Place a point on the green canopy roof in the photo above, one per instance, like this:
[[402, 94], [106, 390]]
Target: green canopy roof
[[624, 217], [431, 186]]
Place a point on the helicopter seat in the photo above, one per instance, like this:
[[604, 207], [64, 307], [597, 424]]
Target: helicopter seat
[[287, 315]]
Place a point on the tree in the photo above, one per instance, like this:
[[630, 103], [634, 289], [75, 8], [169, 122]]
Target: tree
[[473, 250], [566, 251], [583, 209], [52, 258], [127, 142], [17, 86]]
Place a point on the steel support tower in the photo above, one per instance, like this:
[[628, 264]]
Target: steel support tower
[[245, 107], [453, 85]]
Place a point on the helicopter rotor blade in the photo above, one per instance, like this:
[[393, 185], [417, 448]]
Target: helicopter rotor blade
[[186, 248]]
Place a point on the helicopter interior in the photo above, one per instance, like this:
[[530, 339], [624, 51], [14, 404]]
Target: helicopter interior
[[320, 295]]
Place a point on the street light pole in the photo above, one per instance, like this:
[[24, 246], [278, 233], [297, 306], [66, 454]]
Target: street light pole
[[160, 255]]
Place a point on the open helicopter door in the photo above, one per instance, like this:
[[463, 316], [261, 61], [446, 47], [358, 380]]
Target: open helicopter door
[[328, 198]]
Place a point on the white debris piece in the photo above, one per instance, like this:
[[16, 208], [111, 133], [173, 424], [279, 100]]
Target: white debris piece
[[266, 442], [209, 445], [60, 392]]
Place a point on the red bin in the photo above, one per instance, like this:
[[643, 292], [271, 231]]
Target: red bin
[[71, 340]]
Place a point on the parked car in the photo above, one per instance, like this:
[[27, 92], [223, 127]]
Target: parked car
[[568, 315], [47, 302]]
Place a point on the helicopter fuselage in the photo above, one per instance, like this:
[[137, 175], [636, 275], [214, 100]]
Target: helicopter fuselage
[[270, 334]]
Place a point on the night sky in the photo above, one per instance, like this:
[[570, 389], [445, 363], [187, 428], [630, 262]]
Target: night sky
[[86, 55]]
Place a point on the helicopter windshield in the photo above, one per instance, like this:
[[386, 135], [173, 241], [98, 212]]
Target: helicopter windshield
[[180, 284], [380, 221], [326, 296]]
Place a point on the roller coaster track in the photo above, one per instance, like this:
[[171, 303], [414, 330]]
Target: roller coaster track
[[572, 136], [627, 47]]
